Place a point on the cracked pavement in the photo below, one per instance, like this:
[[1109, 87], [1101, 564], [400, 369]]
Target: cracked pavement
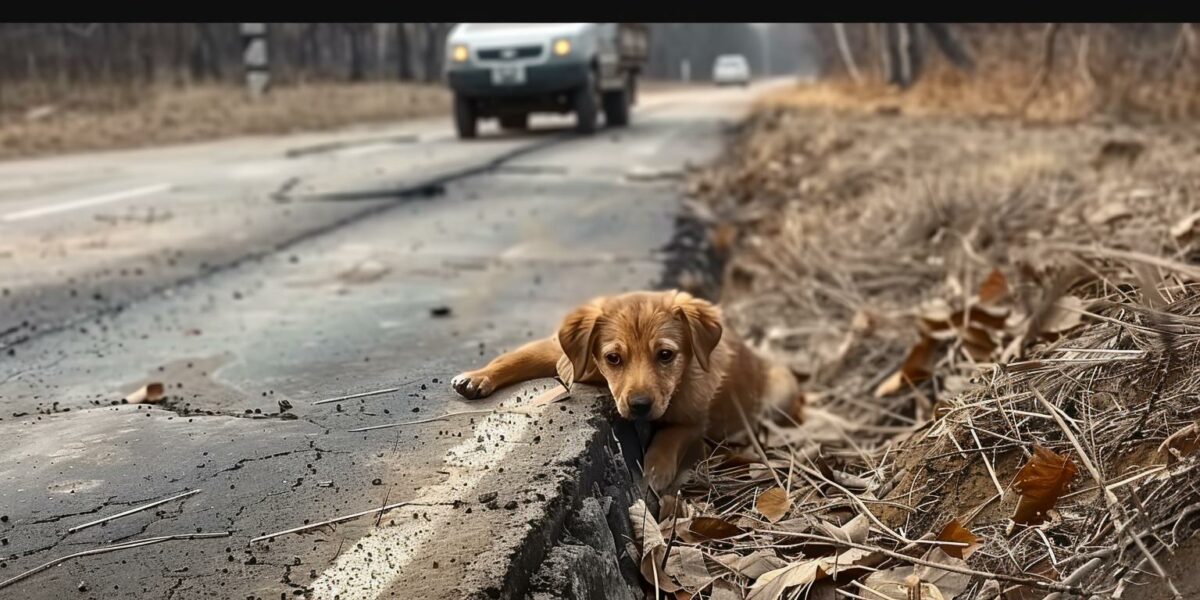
[[263, 275]]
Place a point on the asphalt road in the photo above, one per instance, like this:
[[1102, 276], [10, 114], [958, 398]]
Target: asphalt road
[[247, 273]]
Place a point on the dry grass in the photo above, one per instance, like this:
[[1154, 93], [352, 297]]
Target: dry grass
[[106, 119], [1120, 71], [956, 293]]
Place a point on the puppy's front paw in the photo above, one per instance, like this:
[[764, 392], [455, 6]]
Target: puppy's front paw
[[660, 473], [473, 385]]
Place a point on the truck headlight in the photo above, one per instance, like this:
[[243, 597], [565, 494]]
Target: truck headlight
[[460, 53], [562, 47]]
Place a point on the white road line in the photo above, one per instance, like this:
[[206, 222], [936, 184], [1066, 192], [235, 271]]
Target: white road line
[[42, 211], [378, 559], [365, 150]]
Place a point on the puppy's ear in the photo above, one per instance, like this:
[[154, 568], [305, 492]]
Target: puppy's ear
[[577, 337], [702, 325]]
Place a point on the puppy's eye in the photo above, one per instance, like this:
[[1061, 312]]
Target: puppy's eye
[[666, 356], [613, 358]]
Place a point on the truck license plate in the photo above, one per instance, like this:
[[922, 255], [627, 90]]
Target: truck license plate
[[508, 74]]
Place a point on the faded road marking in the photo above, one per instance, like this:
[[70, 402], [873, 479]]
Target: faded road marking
[[33, 213], [378, 559]]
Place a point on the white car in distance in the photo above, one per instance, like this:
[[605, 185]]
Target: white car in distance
[[731, 69]]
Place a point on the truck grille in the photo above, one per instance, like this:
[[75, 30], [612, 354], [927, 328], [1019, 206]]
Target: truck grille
[[516, 53]]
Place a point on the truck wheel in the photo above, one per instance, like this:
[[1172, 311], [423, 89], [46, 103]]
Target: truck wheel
[[616, 108], [465, 120], [584, 106], [518, 122]]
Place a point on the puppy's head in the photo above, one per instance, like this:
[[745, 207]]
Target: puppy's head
[[643, 344]]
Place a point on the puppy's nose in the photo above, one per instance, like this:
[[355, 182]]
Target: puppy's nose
[[639, 406]]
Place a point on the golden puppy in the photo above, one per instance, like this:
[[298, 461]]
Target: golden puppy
[[666, 357]]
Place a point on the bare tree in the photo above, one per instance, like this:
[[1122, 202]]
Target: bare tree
[[1043, 75], [844, 48], [950, 46], [404, 46]]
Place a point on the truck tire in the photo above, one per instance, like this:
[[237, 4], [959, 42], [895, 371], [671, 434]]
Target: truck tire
[[465, 119], [515, 122], [583, 104], [616, 108]]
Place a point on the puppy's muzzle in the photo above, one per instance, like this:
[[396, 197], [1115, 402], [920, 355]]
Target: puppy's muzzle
[[640, 405]]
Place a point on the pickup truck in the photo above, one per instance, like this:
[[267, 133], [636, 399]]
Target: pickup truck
[[509, 70]]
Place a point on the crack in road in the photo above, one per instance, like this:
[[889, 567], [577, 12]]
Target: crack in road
[[243, 461]]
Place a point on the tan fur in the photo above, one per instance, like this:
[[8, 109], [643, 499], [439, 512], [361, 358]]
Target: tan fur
[[710, 386]]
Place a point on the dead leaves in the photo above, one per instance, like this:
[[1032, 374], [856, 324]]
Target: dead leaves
[[1065, 314], [710, 528], [654, 547], [1185, 226], [753, 565], [979, 326], [773, 584], [1041, 482], [917, 367], [994, 289], [955, 532], [151, 393], [1108, 213], [684, 569], [924, 582], [773, 504], [988, 326], [1180, 444]]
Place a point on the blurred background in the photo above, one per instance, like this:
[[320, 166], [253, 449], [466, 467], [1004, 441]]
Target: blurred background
[[163, 82], [171, 82]]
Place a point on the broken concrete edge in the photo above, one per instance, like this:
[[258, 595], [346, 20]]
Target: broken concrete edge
[[599, 475]]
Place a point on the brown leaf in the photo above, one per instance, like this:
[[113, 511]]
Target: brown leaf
[[724, 590], [916, 368], [550, 396], [988, 317], [994, 288], [1042, 569], [949, 583], [150, 393], [773, 504], [1107, 214], [686, 566], [936, 315], [1180, 444], [955, 532], [926, 583], [723, 237], [855, 530], [1041, 482], [752, 565], [653, 547], [566, 372], [1063, 315], [712, 528], [772, 584], [1185, 225]]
